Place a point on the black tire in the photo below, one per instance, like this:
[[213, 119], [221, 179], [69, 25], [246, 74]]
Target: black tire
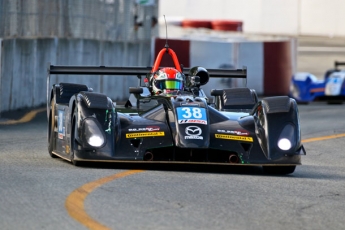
[[279, 170], [302, 102], [335, 102], [74, 143], [51, 127]]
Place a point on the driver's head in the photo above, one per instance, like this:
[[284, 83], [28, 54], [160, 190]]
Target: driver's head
[[168, 81]]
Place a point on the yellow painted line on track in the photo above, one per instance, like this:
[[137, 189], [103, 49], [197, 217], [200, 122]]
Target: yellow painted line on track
[[323, 138], [26, 118], [75, 201]]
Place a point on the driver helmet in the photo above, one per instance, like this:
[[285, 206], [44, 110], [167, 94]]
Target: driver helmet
[[168, 81]]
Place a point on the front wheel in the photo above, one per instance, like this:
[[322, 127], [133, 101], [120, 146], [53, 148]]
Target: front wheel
[[279, 170]]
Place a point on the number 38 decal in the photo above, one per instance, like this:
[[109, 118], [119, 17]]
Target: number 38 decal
[[191, 115]]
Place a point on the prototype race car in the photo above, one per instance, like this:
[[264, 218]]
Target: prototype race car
[[305, 87], [172, 127]]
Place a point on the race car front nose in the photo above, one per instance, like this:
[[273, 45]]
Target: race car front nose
[[92, 133]]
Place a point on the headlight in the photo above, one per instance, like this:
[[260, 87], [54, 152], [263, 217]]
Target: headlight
[[92, 132], [284, 144], [95, 141], [287, 138]]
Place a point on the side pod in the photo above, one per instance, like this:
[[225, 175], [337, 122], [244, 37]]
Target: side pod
[[277, 127]]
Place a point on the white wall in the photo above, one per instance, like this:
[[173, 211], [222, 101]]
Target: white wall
[[323, 17], [285, 17]]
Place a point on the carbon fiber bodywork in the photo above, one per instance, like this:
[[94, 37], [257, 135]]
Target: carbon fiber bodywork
[[236, 128], [158, 134]]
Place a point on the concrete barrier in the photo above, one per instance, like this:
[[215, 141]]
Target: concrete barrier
[[277, 68], [23, 67]]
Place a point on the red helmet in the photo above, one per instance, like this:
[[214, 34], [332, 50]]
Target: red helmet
[[168, 81]]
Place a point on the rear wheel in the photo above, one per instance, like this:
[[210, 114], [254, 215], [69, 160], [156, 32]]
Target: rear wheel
[[51, 128], [279, 170]]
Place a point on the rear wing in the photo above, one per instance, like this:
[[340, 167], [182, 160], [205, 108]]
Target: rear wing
[[136, 71], [338, 63], [132, 71]]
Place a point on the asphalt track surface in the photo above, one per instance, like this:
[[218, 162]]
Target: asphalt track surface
[[38, 192]]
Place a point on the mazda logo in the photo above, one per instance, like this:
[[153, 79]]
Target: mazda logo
[[193, 131]]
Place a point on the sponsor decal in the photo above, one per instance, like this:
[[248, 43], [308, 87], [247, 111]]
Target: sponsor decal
[[189, 104], [145, 134], [193, 132], [148, 128], [191, 115], [192, 121], [237, 132], [68, 149], [61, 128], [232, 137], [316, 90]]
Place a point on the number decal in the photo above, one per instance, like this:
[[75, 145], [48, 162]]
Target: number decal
[[60, 124], [197, 113], [191, 115], [187, 113]]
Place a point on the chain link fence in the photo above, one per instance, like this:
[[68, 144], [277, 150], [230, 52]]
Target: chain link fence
[[112, 20]]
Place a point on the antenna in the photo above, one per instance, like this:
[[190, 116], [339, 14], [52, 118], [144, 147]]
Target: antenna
[[166, 34]]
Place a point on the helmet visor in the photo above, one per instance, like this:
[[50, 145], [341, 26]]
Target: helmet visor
[[169, 84]]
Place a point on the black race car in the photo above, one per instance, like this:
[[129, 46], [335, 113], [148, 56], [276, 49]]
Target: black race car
[[235, 129]]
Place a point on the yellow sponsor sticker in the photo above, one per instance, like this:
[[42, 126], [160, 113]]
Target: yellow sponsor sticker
[[233, 137], [144, 134]]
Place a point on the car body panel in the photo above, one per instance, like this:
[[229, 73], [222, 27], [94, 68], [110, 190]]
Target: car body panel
[[129, 136]]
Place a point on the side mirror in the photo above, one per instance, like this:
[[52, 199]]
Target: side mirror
[[143, 91], [195, 81], [136, 90], [201, 72]]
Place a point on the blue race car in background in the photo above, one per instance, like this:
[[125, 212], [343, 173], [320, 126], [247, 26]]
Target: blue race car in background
[[305, 87]]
